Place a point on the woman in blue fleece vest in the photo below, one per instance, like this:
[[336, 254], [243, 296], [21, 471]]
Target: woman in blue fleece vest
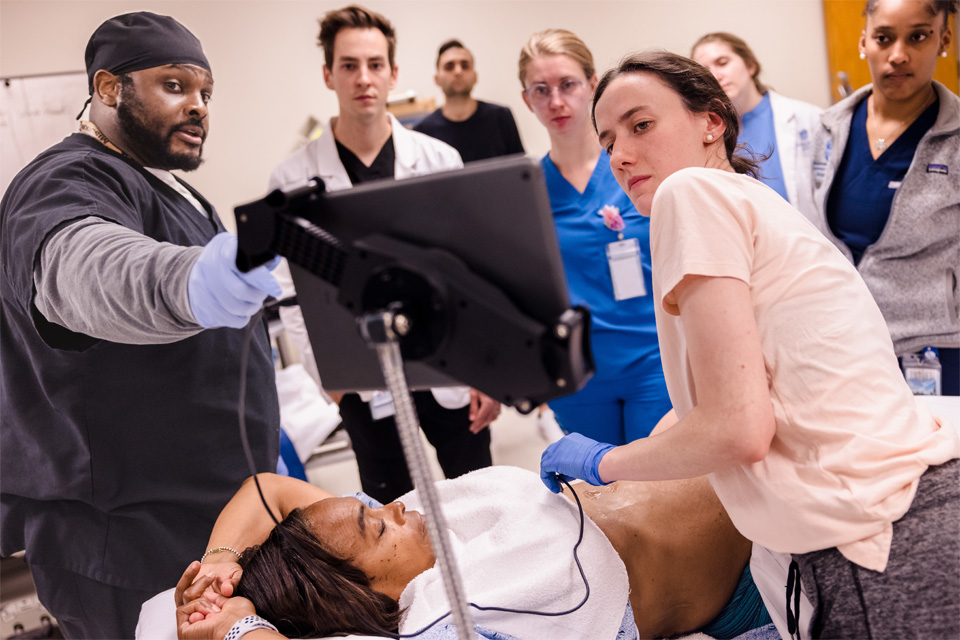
[[885, 179]]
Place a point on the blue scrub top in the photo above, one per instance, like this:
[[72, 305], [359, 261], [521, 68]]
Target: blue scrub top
[[862, 191], [759, 135], [583, 238]]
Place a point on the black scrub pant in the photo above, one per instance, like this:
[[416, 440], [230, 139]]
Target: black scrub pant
[[383, 469], [87, 608]]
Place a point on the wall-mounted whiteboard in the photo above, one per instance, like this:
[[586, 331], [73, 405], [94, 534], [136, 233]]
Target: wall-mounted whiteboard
[[36, 112]]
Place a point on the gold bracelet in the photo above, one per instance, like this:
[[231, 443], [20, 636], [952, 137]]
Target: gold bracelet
[[218, 550]]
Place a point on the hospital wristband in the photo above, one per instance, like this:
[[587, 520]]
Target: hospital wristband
[[246, 625], [218, 550]]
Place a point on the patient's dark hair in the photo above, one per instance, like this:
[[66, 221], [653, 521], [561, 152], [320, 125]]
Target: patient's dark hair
[[308, 592]]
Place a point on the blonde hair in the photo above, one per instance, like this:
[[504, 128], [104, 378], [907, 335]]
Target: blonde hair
[[555, 42]]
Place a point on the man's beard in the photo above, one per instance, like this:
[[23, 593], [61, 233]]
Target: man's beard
[[149, 144], [452, 92]]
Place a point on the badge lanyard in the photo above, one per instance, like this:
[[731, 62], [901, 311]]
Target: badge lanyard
[[381, 405], [623, 256]]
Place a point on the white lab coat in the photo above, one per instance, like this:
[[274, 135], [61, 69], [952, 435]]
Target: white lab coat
[[416, 155], [795, 122]]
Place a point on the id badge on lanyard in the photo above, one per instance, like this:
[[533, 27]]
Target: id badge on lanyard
[[381, 405], [626, 269]]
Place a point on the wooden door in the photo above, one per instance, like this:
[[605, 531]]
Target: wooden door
[[843, 21]]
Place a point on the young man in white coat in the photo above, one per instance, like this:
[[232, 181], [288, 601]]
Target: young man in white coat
[[365, 142]]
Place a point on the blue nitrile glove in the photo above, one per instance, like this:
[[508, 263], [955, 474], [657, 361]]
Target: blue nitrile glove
[[221, 295], [572, 456]]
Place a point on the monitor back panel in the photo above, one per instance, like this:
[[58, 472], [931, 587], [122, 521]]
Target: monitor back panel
[[494, 215]]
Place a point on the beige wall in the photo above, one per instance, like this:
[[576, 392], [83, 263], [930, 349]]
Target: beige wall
[[267, 65]]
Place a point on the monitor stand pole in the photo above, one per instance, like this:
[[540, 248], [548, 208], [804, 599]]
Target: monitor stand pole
[[381, 330]]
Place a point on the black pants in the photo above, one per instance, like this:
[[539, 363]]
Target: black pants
[[383, 469]]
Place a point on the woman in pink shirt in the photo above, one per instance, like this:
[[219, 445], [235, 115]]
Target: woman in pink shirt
[[781, 371]]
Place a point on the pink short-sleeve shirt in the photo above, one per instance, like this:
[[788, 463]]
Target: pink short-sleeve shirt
[[851, 441]]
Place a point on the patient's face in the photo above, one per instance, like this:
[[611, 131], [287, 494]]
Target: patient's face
[[390, 544]]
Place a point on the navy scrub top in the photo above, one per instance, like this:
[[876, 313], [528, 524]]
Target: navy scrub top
[[863, 189], [117, 458]]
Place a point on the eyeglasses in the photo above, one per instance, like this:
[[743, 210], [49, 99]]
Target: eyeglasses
[[540, 93]]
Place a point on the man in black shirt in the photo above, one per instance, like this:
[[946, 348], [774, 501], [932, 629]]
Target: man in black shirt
[[476, 129]]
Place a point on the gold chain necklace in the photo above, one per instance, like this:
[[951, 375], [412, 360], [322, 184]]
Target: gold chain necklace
[[881, 142], [93, 130]]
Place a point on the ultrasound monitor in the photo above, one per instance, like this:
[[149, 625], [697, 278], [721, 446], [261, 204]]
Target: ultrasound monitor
[[494, 215]]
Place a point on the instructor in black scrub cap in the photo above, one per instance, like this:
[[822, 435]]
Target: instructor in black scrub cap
[[122, 322]]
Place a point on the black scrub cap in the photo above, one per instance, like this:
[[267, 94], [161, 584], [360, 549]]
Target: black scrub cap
[[142, 40]]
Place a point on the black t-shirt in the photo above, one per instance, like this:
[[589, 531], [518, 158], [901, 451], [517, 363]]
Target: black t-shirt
[[488, 133], [117, 458], [381, 167]]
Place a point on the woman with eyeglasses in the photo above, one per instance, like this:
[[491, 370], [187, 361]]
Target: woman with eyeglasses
[[605, 246]]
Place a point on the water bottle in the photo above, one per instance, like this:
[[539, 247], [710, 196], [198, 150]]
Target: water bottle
[[923, 372]]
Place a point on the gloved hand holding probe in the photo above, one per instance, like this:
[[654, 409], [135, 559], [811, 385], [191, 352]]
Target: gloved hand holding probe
[[220, 294], [573, 456]]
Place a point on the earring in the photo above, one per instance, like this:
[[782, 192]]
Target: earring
[[943, 54], [709, 137], [863, 56]]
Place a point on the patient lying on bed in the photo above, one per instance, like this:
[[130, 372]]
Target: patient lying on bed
[[336, 565]]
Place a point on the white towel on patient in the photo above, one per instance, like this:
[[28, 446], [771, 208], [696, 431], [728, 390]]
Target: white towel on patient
[[513, 541]]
